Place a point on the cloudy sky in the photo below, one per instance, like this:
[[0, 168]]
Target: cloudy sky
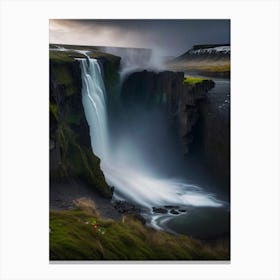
[[171, 37]]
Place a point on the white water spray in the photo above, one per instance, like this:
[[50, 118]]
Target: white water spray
[[136, 59], [94, 102]]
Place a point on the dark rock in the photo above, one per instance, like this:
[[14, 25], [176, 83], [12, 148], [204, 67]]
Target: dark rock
[[171, 207], [159, 210], [167, 90], [126, 207], [182, 210], [215, 133], [112, 189], [174, 212], [70, 148]]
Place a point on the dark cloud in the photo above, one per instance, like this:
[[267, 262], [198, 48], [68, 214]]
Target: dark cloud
[[172, 37]]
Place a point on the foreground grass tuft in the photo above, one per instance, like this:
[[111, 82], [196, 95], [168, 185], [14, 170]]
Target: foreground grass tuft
[[80, 234]]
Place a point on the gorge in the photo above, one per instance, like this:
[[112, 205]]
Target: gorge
[[133, 137]]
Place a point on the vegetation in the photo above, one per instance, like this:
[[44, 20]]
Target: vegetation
[[193, 80], [68, 129], [210, 67], [217, 68], [76, 235], [78, 161], [69, 56], [54, 110], [81, 234]]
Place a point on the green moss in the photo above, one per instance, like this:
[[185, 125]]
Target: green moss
[[193, 80], [72, 237], [77, 161], [98, 54], [61, 57], [54, 110], [216, 68], [94, 175], [213, 66], [63, 74], [70, 55], [72, 117], [64, 77], [61, 173]]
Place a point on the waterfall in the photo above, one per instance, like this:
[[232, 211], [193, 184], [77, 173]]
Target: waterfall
[[94, 102], [134, 179]]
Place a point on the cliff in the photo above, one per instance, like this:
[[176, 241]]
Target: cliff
[[70, 149], [215, 136], [168, 90]]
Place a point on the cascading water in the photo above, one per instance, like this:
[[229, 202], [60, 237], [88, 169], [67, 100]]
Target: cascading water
[[121, 164], [94, 102]]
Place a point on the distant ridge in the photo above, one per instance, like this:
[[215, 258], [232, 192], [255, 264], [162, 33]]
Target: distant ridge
[[195, 47], [209, 49], [213, 59]]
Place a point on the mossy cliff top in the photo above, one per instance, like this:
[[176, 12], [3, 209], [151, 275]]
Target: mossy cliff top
[[194, 80], [62, 56], [71, 54]]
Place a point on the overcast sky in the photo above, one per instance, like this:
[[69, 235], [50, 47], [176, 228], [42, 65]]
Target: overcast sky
[[171, 37]]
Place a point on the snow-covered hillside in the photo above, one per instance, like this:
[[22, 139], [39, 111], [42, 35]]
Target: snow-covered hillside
[[211, 50]]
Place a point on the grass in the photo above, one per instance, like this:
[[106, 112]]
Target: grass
[[216, 68], [54, 110], [64, 57], [203, 67], [69, 56], [78, 161], [74, 237], [193, 80]]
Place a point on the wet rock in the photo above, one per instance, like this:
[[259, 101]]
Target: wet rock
[[182, 210], [171, 207], [126, 207], [112, 189], [174, 212], [159, 210]]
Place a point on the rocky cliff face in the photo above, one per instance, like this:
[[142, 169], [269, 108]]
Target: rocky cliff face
[[70, 148], [215, 134], [166, 89]]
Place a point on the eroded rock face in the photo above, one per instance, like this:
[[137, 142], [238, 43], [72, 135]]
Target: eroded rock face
[[167, 90], [126, 207], [215, 127], [70, 149]]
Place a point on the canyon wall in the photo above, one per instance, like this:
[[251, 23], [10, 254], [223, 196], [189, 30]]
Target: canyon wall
[[70, 149], [167, 90], [201, 127]]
